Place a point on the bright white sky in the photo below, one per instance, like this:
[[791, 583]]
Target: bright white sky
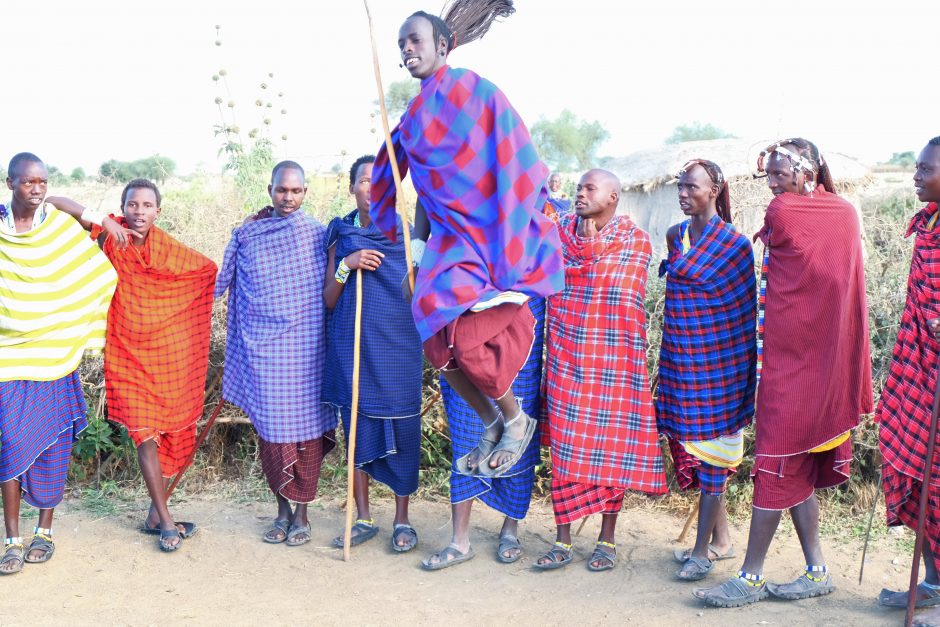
[[124, 79]]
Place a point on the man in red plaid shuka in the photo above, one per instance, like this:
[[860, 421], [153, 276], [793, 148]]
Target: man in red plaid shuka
[[602, 428], [904, 412]]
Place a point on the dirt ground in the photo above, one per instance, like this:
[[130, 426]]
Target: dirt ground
[[106, 571]]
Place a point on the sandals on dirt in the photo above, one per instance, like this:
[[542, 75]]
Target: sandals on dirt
[[695, 569], [485, 446], [447, 557], [516, 448], [295, 532], [803, 587], [277, 533], [683, 555], [13, 553], [404, 530], [188, 529], [508, 542], [559, 555], [926, 597], [363, 530], [605, 554], [736, 592], [42, 541], [166, 536]]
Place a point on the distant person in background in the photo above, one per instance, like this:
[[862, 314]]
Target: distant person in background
[[708, 355], [388, 428], [159, 326], [274, 270], [57, 287], [906, 406], [814, 366], [601, 424], [556, 196]]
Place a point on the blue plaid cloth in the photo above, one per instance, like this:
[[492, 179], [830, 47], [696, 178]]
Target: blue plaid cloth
[[273, 269], [387, 450], [708, 357], [511, 493], [39, 422], [390, 352]]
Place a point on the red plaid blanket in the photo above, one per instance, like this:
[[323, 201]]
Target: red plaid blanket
[[602, 429]]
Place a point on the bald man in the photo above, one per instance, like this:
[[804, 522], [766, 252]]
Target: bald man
[[602, 428]]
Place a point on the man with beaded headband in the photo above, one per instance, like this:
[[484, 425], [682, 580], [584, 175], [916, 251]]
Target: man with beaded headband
[[814, 373], [481, 196]]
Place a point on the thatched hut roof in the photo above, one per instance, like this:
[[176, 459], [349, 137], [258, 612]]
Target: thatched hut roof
[[646, 170]]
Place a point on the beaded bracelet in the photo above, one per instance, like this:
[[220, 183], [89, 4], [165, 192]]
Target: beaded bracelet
[[342, 272]]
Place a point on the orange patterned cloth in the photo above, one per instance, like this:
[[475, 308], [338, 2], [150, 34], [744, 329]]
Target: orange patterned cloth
[[157, 346]]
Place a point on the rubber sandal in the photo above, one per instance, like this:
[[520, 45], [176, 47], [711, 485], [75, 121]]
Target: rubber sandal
[[516, 447], [400, 530], [682, 555], [926, 597], [41, 542], [13, 553], [189, 529], [700, 567], [508, 542], [366, 529], [169, 534], [271, 536], [485, 446], [296, 530], [449, 556], [802, 588], [560, 555], [733, 593], [607, 559]]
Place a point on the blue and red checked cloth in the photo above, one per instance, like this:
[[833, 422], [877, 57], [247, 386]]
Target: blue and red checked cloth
[[273, 270], [482, 185], [708, 356]]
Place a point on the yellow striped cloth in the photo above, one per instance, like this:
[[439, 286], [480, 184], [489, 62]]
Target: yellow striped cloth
[[55, 289], [725, 451]]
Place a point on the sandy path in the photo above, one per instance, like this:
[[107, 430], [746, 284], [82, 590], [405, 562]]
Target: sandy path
[[105, 571]]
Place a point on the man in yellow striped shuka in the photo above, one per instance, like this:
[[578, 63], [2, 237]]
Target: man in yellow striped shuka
[[55, 288]]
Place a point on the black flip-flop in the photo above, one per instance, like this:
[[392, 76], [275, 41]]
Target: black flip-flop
[[167, 535], [189, 529]]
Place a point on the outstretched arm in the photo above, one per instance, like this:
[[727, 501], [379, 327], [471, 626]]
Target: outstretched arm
[[88, 218]]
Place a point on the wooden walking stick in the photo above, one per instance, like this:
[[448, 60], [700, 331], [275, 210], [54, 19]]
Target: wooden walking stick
[[689, 520], [353, 415], [925, 485], [390, 149]]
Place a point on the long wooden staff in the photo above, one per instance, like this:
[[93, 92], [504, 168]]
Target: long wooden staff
[[353, 416], [201, 438], [390, 149], [924, 493]]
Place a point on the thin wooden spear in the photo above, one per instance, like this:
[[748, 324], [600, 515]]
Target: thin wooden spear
[[390, 149], [925, 486], [353, 416]]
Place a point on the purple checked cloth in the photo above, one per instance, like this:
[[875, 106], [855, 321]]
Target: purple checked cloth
[[273, 269]]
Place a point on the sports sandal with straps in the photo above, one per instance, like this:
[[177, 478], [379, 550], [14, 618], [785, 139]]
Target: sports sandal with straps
[[485, 446], [363, 530], [607, 558], [560, 555], [515, 447], [13, 553], [42, 541]]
